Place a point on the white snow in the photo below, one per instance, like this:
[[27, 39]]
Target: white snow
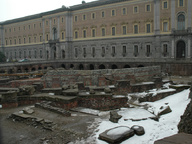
[[154, 130], [118, 96], [118, 131], [111, 86]]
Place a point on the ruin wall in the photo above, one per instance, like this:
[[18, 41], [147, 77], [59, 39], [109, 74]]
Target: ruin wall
[[58, 78]]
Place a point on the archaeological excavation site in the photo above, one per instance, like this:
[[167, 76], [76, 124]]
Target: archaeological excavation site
[[131, 105]]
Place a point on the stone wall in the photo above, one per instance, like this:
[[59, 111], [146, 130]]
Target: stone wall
[[57, 78], [185, 124]]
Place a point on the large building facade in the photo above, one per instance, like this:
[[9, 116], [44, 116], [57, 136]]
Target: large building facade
[[104, 34]]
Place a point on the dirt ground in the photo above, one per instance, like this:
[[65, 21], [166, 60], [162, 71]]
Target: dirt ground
[[67, 129]]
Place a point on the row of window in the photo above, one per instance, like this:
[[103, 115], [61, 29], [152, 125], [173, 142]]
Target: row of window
[[24, 54], [24, 28], [124, 51], [29, 27], [148, 29], [29, 40], [181, 3], [113, 12], [124, 10]]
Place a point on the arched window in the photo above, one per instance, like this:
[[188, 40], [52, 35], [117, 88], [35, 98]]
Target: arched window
[[54, 33], [181, 22]]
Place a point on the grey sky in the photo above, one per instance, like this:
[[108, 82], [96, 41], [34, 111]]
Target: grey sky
[[11, 9]]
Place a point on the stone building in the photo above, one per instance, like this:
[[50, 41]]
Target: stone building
[[105, 34]]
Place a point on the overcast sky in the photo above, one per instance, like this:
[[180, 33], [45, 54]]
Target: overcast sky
[[11, 9]]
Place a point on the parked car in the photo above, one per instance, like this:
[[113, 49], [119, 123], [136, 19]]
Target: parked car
[[23, 60]]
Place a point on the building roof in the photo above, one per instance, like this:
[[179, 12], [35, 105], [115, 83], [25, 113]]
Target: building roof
[[72, 8]]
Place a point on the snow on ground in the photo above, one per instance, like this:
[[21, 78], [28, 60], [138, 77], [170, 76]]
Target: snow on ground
[[154, 130]]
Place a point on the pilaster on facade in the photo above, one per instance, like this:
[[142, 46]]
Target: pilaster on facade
[[69, 26], [189, 11], [43, 23], [157, 16], [172, 15], [2, 38], [173, 48], [58, 27], [189, 47], [50, 28]]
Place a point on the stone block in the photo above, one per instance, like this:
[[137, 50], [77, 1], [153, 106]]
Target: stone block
[[117, 134], [114, 117]]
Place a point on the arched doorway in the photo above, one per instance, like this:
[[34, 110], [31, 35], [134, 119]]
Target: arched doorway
[[180, 50], [63, 66], [114, 66], [127, 66], [101, 66], [72, 66], [81, 67], [140, 66], [91, 67]]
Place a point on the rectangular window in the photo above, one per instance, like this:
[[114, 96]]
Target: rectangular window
[[103, 52], [84, 33], [10, 42], [40, 25], [165, 50], [76, 52], [181, 3], [29, 39], [76, 35], [46, 23], [62, 35], [15, 41], [136, 29], [103, 31], [84, 17], [47, 37], [40, 38], [135, 9], [165, 26], [124, 30], [19, 41], [148, 28], [124, 12], [124, 51], [165, 5], [35, 39], [113, 31], [102, 14], [148, 50], [93, 15], [24, 40], [84, 52], [113, 12], [54, 21], [29, 26], [75, 18], [93, 33], [34, 26], [148, 8], [113, 51], [62, 19], [136, 50], [93, 51]]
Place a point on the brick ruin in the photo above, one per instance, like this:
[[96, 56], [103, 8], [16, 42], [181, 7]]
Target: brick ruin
[[98, 89]]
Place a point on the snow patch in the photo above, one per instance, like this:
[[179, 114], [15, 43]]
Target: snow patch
[[118, 131]]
